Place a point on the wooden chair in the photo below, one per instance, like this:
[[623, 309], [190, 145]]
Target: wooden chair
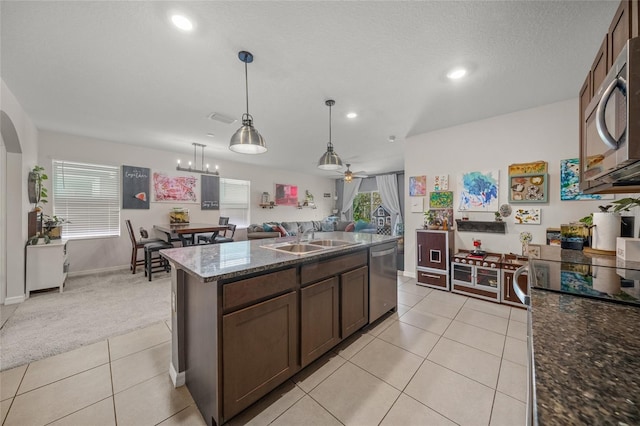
[[137, 244]]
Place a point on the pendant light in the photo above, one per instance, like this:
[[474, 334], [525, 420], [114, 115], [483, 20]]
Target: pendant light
[[247, 140], [330, 159]]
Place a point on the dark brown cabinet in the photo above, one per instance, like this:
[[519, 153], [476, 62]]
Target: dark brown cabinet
[[620, 29], [260, 350], [319, 319], [434, 251], [600, 65], [354, 301]]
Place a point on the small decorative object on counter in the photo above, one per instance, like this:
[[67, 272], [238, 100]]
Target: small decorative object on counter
[[179, 215], [498, 217], [265, 198], [525, 239], [477, 244]]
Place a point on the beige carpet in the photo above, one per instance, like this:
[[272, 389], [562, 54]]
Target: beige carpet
[[91, 309]]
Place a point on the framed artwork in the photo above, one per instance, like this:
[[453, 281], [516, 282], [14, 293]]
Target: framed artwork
[[417, 186], [441, 200], [175, 188], [536, 167], [569, 183], [417, 205], [528, 188], [286, 195], [135, 187], [479, 191], [441, 183], [443, 214], [527, 216]]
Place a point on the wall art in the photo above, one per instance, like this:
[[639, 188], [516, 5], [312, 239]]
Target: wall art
[[441, 200], [135, 187], [527, 216], [210, 193], [569, 183], [417, 186], [441, 183], [528, 188], [417, 205], [479, 191], [535, 167], [286, 195], [174, 188]]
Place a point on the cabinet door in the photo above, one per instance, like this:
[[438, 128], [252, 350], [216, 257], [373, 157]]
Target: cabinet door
[[259, 345], [600, 67], [508, 294], [619, 30], [319, 319], [354, 300], [432, 250]]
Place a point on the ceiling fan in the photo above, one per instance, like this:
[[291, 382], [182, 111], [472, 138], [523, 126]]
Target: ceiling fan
[[349, 175]]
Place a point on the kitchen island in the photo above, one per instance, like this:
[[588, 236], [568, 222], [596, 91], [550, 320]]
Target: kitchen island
[[248, 315], [584, 336]]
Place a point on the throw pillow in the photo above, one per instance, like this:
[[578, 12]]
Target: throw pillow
[[304, 226], [341, 225], [267, 227], [317, 225], [360, 225], [328, 226], [291, 227], [350, 227], [282, 230]]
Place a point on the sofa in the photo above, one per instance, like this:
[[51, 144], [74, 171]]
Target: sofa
[[285, 229]]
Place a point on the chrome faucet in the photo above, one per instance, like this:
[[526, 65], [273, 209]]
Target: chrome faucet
[[301, 235]]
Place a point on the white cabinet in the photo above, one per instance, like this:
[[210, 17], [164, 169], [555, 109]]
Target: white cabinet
[[47, 265], [474, 279]]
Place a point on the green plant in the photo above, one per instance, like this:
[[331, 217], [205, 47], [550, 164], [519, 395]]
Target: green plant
[[38, 176], [625, 204]]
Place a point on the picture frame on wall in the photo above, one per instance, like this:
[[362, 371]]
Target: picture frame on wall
[[529, 188]]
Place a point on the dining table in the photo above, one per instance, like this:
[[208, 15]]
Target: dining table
[[186, 232]]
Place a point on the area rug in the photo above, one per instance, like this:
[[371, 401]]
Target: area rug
[[91, 309]]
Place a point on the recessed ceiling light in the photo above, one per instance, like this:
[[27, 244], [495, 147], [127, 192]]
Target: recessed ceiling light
[[392, 138], [456, 73], [352, 115], [182, 22]]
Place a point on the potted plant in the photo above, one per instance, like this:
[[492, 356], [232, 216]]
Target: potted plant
[[53, 226]]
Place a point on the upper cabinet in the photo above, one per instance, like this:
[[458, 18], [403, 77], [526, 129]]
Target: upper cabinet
[[622, 28]]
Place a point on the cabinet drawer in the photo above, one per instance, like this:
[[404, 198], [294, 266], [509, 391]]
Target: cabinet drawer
[[432, 278], [327, 268], [239, 293]]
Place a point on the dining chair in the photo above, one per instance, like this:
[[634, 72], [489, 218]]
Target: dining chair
[[203, 238], [218, 239], [137, 244]]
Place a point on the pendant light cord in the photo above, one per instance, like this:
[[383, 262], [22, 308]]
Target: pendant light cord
[[246, 85], [330, 144]]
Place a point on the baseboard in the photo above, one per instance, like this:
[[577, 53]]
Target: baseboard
[[409, 274], [13, 300], [177, 378], [97, 271]]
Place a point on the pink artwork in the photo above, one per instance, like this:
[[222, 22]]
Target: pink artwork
[[174, 188], [417, 186], [286, 195]]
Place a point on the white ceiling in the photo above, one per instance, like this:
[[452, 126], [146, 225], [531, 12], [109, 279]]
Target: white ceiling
[[118, 70]]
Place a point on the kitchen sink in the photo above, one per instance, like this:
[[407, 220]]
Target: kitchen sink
[[308, 247], [294, 248], [330, 243]]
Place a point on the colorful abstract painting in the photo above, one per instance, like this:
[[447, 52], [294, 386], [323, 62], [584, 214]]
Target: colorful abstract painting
[[441, 183], [286, 195], [527, 216], [417, 186], [174, 188], [479, 191], [569, 183], [441, 200]]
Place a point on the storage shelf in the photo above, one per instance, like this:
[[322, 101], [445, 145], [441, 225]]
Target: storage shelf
[[480, 226]]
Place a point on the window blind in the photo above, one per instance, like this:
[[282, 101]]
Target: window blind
[[88, 196], [234, 200]]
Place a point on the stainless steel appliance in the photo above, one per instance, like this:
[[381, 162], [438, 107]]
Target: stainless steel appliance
[[610, 146], [383, 280]]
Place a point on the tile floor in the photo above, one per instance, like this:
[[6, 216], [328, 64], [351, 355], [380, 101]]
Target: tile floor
[[442, 359]]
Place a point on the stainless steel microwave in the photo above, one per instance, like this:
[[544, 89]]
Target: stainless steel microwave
[[610, 146]]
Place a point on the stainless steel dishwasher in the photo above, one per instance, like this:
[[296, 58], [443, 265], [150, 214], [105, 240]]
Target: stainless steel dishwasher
[[383, 279]]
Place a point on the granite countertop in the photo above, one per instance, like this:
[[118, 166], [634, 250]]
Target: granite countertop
[[214, 262], [557, 254], [587, 360]]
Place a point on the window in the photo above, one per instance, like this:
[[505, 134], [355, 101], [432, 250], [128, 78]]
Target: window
[[234, 200], [87, 195], [365, 205]]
